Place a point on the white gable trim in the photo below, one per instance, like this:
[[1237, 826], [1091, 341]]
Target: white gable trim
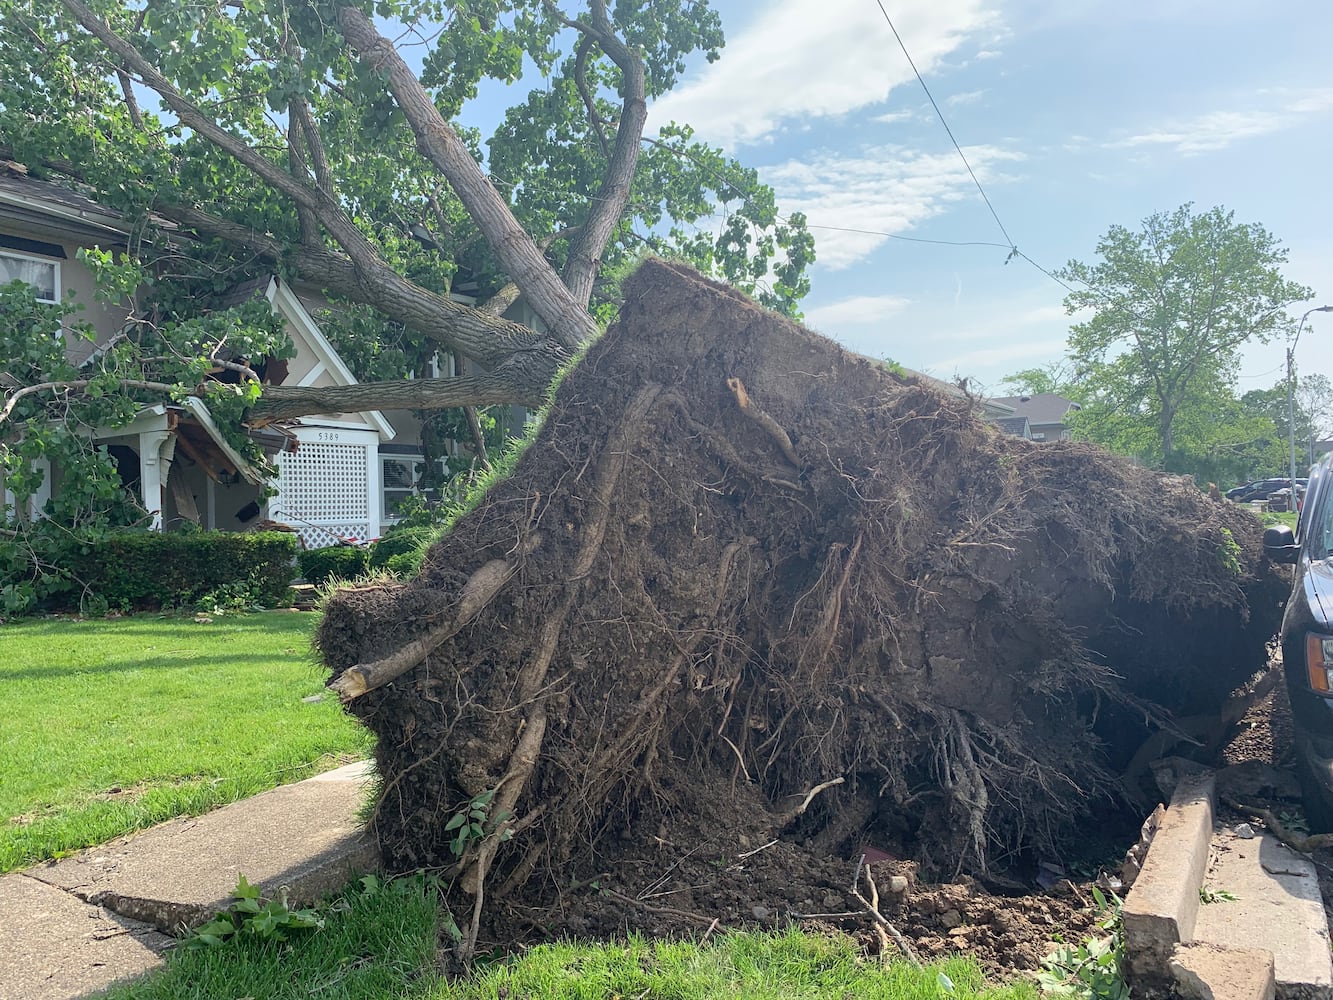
[[284, 300], [309, 377]]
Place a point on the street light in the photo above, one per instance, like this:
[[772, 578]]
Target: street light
[[1291, 393]]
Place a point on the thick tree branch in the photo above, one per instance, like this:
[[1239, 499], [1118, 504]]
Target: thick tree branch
[[608, 204], [462, 329], [319, 161], [566, 315], [296, 157], [284, 402]]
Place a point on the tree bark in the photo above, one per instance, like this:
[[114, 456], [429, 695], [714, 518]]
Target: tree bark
[[566, 318], [284, 402]]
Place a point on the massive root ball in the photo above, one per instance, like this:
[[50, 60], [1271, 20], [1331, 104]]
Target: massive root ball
[[738, 557]]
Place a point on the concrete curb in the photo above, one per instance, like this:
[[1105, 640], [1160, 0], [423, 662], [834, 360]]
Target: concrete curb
[[1162, 907]]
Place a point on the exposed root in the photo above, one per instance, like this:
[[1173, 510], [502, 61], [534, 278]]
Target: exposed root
[[479, 591], [803, 804], [759, 416], [882, 921], [1304, 843], [533, 676]]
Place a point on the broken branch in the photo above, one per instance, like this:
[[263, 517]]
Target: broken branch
[[479, 591]]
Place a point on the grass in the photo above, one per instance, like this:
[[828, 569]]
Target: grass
[[111, 726], [1270, 518], [379, 945]]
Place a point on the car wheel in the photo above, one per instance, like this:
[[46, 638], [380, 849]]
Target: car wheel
[[1316, 796]]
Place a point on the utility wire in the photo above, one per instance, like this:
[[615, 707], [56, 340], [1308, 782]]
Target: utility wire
[[931, 97], [909, 239]]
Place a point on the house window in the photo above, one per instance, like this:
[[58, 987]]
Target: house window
[[399, 475], [42, 275]]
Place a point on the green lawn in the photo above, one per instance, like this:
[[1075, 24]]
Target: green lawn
[[110, 726], [379, 945]]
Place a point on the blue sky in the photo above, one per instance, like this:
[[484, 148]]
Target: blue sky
[[1075, 115]]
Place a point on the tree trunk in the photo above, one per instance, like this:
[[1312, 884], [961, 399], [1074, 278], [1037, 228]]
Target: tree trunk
[[523, 382]]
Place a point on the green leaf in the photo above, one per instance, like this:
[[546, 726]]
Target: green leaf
[[244, 890]]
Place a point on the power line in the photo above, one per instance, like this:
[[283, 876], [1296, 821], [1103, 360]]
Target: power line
[[909, 239], [931, 97]]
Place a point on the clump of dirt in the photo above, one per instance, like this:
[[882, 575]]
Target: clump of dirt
[[746, 584]]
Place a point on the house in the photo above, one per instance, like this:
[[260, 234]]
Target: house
[[340, 475], [1045, 413], [1017, 426]]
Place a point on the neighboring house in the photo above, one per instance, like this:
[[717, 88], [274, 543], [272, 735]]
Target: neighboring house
[[339, 475], [1018, 426], [1046, 414]]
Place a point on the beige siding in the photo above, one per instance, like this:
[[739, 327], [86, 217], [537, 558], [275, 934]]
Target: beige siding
[[76, 285]]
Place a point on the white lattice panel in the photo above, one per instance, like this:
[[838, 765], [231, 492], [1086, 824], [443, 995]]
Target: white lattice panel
[[317, 536], [324, 492]]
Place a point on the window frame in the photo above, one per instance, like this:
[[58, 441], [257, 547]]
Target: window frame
[[55, 272], [388, 514]]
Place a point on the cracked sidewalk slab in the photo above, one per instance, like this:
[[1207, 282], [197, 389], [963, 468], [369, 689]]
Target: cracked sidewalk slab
[[54, 946], [305, 837]]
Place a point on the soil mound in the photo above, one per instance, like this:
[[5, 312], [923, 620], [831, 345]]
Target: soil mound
[[739, 566]]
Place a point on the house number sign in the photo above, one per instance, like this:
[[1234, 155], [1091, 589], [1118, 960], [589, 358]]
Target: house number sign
[[328, 436]]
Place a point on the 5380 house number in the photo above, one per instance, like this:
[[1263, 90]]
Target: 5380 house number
[[328, 436]]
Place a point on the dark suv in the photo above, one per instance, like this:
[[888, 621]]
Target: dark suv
[[1262, 489], [1307, 639]]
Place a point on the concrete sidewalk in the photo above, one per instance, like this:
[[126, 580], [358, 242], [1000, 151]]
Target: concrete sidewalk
[[74, 927], [1263, 933]]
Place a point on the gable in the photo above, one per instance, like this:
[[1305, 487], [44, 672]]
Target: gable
[[316, 362]]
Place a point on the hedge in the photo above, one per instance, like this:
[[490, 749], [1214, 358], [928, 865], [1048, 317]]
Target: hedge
[[402, 549], [150, 569], [345, 562]]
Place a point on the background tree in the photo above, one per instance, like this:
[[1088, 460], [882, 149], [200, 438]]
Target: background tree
[[295, 137], [1173, 304], [1058, 377]]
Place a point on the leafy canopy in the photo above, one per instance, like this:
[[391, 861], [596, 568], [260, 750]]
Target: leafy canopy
[[1172, 304]]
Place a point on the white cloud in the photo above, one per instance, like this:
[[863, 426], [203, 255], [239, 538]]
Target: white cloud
[[1218, 129], [892, 117], [966, 97], [987, 54], [859, 310], [811, 59], [882, 190]]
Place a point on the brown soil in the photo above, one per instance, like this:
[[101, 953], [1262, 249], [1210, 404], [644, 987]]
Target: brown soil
[[739, 564]]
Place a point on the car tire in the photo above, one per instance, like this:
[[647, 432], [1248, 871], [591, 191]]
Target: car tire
[[1315, 796]]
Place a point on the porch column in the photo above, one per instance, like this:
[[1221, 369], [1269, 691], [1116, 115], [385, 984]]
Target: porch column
[[156, 449]]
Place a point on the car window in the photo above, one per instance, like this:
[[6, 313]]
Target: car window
[[1321, 541]]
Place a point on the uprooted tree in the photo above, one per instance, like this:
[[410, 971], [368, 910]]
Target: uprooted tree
[[746, 583]]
